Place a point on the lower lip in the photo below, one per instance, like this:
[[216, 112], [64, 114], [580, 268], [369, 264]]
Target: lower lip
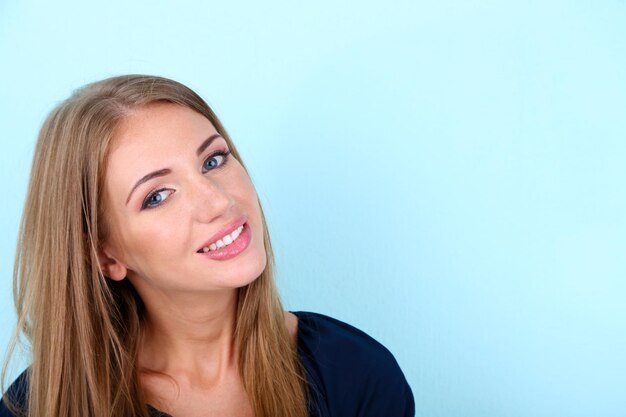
[[227, 252]]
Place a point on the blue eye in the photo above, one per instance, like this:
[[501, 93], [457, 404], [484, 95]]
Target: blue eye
[[215, 160], [155, 198]]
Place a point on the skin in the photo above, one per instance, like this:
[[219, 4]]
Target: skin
[[190, 299]]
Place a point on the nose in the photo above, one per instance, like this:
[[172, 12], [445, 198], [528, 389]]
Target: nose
[[210, 199]]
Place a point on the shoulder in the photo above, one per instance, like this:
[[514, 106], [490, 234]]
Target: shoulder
[[355, 373], [327, 337], [17, 395]]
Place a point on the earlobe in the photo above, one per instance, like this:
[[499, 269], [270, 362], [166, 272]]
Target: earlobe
[[111, 266]]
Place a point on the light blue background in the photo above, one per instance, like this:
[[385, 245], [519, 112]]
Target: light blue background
[[446, 175]]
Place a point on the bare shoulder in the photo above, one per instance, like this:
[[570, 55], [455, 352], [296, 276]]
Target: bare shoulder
[[291, 320]]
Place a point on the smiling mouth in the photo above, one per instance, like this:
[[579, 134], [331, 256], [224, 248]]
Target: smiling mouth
[[237, 246], [224, 241]]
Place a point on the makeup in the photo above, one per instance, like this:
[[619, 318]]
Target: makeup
[[219, 249]]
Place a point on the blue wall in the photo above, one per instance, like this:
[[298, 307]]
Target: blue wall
[[448, 176]]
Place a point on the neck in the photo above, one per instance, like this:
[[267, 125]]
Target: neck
[[190, 335]]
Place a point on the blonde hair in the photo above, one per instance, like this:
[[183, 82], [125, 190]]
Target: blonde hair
[[83, 329]]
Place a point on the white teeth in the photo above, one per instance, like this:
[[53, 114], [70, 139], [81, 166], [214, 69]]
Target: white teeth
[[225, 241]]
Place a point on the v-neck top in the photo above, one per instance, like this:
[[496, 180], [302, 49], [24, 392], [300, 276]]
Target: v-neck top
[[350, 374]]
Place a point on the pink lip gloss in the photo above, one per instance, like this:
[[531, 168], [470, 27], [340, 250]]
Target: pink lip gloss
[[232, 250]]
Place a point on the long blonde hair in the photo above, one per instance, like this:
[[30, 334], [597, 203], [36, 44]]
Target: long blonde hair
[[82, 328]]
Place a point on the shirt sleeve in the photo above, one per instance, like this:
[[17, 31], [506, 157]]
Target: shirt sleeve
[[358, 376], [385, 391]]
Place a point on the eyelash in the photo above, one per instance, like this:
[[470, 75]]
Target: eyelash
[[223, 152]]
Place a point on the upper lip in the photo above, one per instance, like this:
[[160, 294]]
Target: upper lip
[[226, 230]]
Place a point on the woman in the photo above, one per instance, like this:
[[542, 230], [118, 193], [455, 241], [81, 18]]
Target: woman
[[144, 277]]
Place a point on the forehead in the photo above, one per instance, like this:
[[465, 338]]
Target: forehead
[[160, 125]]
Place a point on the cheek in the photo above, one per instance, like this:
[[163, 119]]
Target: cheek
[[245, 188], [157, 234], [149, 244], [154, 259]]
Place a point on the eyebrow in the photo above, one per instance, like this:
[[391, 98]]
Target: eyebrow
[[207, 143], [161, 172]]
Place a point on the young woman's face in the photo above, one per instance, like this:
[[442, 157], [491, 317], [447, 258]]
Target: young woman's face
[[173, 194]]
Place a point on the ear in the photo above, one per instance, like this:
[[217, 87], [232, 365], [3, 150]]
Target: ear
[[111, 266]]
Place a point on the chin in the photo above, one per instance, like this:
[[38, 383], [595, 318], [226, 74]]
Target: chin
[[243, 275]]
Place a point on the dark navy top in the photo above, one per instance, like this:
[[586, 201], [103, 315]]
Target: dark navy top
[[350, 373]]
